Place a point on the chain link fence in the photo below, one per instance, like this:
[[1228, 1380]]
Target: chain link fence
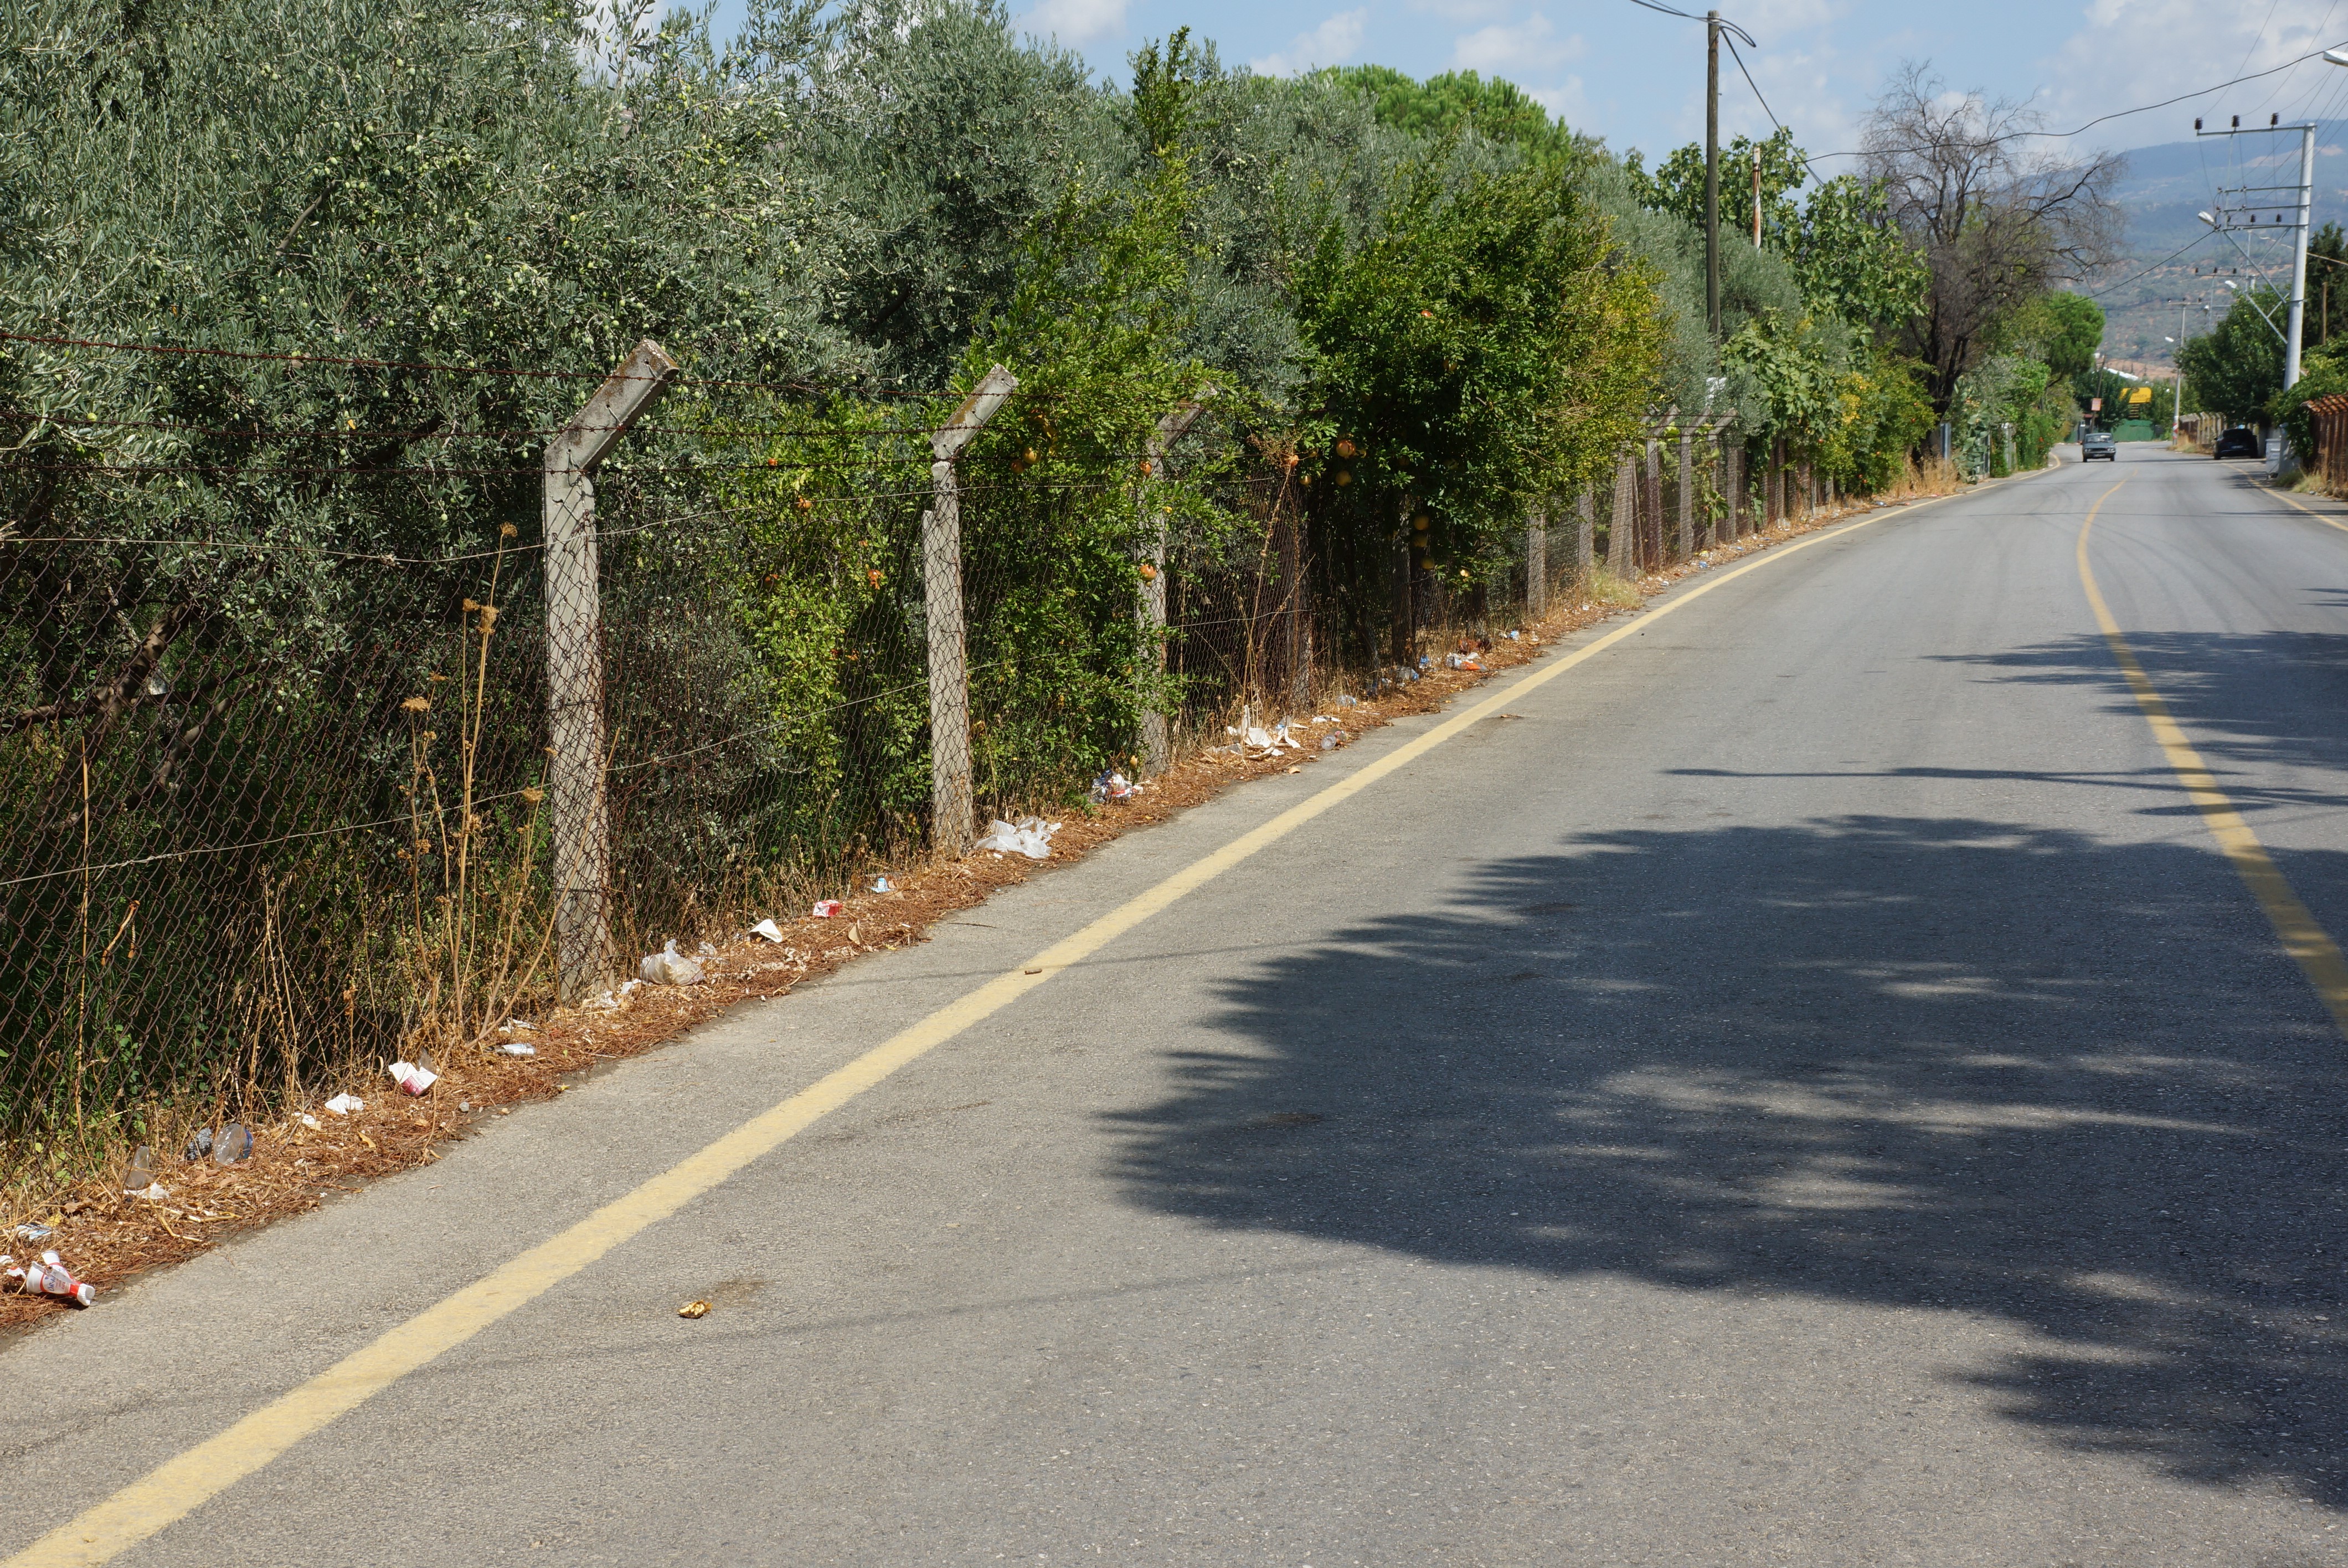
[[274, 802]]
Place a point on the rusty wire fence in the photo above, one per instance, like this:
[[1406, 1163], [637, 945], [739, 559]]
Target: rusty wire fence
[[283, 741], [298, 758]]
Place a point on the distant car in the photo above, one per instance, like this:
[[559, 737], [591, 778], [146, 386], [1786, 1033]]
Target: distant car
[[2097, 444], [2240, 442]]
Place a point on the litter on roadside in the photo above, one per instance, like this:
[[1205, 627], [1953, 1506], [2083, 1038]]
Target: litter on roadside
[[1461, 661], [693, 1309], [613, 1000], [824, 910], [768, 929], [33, 1233], [1328, 743], [670, 968], [1030, 836], [141, 1173], [343, 1104], [48, 1276], [517, 1048], [412, 1078], [307, 1121], [883, 885], [199, 1147], [233, 1142], [1114, 785], [1348, 702], [517, 1025]]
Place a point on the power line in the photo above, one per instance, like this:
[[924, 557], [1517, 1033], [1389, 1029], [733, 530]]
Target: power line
[[2116, 114], [2107, 287], [1726, 25]]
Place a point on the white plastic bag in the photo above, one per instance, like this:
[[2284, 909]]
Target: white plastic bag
[[1031, 836], [670, 968]]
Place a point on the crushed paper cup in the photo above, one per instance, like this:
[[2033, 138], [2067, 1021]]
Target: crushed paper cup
[[825, 909], [412, 1079]]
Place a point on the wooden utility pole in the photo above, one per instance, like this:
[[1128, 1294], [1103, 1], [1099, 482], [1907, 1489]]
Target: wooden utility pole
[[574, 664], [1757, 198], [1712, 170], [1156, 748], [952, 827]]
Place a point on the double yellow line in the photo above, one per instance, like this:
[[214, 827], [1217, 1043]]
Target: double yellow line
[[2308, 943]]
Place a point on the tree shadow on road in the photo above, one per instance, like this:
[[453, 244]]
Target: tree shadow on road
[[1939, 1063], [2247, 698]]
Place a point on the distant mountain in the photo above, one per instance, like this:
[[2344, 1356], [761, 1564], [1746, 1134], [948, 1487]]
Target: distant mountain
[[2164, 187]]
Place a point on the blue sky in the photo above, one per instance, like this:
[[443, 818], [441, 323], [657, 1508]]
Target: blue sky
[[1636, 77]]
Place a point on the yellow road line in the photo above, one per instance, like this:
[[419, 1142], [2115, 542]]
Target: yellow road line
[[178, 1486], [2318, 956], [2288, 500]]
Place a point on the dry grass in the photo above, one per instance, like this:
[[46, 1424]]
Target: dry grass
[[107, 1236]]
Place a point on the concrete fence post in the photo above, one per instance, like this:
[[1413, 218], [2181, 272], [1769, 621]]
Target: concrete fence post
[[954, 828], [1537, 564], [574, 665], [1622, 523], [1157, 748], [1585, 536], [1687, 495], [1651, 538]]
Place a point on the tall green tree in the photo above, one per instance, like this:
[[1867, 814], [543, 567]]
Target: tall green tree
[[1456, 100], [2236, 367], [1848, 260], [1483, 349]]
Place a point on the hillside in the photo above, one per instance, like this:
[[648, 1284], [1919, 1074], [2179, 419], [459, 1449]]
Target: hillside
[[2165, 185]]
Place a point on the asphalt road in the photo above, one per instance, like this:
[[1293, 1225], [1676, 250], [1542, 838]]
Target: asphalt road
[[1805, 1090]]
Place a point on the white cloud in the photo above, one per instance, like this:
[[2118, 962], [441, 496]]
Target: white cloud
[[1076, 21], [2140, 51], [1509, 49], [1463, 10], [1332, 43]]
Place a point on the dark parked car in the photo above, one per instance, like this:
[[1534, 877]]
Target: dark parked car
[[2241, 441], [2097, 444]]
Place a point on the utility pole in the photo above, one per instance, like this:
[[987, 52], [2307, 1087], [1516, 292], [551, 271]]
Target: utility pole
[[1712, 170], [1757, 198], [2243, 212]]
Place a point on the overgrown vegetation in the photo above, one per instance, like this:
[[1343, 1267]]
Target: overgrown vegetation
[[298, 295]]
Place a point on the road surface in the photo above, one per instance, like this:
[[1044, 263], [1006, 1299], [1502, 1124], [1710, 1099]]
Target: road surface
[[1803, 1087]]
